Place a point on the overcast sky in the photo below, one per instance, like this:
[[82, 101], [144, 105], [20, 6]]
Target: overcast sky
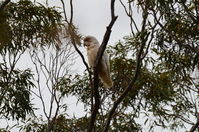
[[92, 17]]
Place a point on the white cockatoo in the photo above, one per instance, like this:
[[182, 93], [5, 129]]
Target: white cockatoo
[[92, 46]]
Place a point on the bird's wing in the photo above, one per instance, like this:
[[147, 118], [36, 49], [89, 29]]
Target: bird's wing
[[105, 59]]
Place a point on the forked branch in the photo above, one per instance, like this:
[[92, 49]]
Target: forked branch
[[96, 67], [195, 126], [139, 58]]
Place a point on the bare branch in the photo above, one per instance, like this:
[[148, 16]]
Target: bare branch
[[64, 9], [112, 9], [129, 13], [195, 126], [71, 11], [38, 84], [96, 68], [70, 24], [71, 28], [52, 69]]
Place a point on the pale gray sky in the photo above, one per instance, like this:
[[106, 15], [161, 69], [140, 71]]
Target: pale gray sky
[[92, 17]]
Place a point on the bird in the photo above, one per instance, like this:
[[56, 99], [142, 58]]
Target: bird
[[92, 45]]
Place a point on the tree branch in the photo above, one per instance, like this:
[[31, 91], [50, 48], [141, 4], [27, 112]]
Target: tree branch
[[96, 68], [129, 13], [72, 35], [73, 38], [195, 126], [137, 71], [71, 11], [64, 11]]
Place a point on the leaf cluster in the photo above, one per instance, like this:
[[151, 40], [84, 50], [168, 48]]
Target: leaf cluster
[[15, 93], [24, 24]]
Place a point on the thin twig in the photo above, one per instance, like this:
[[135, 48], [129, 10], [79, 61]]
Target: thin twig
[[64, 9], [129, 13], [38, 84], [70, 28], [72, 36]]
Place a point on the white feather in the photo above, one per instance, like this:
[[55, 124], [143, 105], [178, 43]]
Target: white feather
[[104, 69]]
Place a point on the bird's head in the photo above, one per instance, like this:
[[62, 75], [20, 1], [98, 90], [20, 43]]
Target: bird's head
[[90, 41]]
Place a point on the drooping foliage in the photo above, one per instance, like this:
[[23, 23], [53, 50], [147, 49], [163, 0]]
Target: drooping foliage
[[23, 24]]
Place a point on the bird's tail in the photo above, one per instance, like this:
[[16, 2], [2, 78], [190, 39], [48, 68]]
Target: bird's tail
[[106, 80]]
